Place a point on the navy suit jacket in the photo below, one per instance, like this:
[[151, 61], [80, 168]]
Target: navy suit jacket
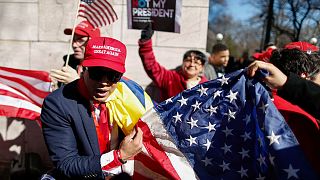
[[70, 134]]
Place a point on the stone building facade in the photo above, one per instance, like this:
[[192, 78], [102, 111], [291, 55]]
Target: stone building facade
[[31, 37]]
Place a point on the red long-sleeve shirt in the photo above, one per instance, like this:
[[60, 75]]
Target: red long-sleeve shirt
[[170, 82]]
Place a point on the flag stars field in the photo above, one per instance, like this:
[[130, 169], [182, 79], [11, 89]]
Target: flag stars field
[[224, 166], [227, 131], [246, 136], [207, 144], [196, 105], [226, 148], [207, 161], [177, 117], [232, 96], [183, 101], [202, 91], [192, 140], [244, 153], [169, 100], [292, 172], [214, 127], [261, 160], [243, 172], [211, 127], [217, 94], [273, 138], [212, 110], [223, 80], [193, 123]]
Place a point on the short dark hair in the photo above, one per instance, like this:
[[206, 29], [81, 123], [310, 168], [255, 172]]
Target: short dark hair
[[218, 48], [198, 55], [296, 61]]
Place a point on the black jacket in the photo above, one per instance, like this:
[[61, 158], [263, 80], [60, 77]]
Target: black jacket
[[303, 93]]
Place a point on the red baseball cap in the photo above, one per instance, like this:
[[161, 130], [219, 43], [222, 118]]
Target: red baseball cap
[[105, 52], [84, 29], [264, 56], [303, 46]]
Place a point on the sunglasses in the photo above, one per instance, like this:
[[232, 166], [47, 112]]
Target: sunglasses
[[100, 73]]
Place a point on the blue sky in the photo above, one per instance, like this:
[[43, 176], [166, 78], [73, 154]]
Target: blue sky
[[239, 10]]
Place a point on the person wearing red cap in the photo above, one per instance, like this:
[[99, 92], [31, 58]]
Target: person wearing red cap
[[301, 58], [85, 132], [83, 32]]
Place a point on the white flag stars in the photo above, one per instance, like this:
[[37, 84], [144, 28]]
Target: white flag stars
[[292, 172], [169, 100], [177, 117], [231, 114], [212, 110], [207, 144], [183, 101], [193, 123], [211, 127], [196, 106], [192, 140], [273, 138], [216, 94], [223, 80], [202, 90], [232, 96]]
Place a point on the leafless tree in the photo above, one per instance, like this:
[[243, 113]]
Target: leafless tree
[[296, 19]]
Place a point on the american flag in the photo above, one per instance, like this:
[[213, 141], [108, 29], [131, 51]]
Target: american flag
[[98, 12], [22, 92], [228, 128]]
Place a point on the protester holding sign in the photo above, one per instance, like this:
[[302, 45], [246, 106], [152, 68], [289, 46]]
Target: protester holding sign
[[171, 82], [165, 15]]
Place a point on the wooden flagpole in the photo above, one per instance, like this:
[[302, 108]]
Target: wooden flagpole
[[72, 34]]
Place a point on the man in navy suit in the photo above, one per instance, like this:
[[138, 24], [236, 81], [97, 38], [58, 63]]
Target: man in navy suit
[[84, 138]]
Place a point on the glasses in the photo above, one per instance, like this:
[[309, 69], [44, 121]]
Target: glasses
[[80, 40], [100, 73], [194, 59]]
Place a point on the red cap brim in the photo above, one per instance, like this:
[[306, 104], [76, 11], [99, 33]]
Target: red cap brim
[[68, 31], [104, 63]]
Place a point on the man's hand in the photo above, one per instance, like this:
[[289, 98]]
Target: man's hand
[[66, 75], [132, 144], [276, 78]]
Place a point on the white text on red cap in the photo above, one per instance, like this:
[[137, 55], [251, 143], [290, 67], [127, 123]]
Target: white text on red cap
[[106, 50]]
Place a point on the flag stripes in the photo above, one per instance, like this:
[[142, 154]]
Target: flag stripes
[[98, 12], [22, 92], [33, 84]]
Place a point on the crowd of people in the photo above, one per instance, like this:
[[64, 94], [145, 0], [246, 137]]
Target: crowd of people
[[97, 145]]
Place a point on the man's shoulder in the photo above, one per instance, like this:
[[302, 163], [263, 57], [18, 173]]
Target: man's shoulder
[[64, 91]]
